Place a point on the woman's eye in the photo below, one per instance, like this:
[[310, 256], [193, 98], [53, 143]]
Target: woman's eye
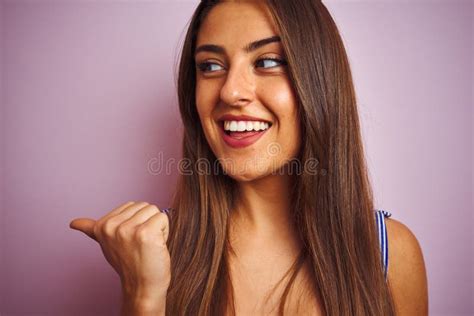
[[204, 66], [265, 62], [272, 62]]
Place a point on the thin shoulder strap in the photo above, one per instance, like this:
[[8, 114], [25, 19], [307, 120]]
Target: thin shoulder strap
[[166, 210], [382, 230]]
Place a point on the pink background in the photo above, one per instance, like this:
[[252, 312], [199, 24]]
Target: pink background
[[88, 104]]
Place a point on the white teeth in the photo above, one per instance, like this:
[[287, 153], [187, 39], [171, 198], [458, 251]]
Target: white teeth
[[241, 126], [233, 126], [249, 126]]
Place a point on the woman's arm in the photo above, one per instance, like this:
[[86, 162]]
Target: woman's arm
[[406, 270]]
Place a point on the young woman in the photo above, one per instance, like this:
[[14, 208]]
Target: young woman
[[273, 213]]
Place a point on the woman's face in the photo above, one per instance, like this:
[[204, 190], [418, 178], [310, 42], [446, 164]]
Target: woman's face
[[233, 80]]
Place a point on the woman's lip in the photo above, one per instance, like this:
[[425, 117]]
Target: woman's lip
[[243, 142]]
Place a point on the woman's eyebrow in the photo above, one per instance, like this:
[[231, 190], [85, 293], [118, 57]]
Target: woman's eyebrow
[[248, 48]]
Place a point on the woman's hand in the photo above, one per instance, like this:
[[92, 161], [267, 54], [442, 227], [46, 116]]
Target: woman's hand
[[133, 239]]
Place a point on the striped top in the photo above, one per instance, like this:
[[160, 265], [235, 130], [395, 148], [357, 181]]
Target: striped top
[[380, 216]]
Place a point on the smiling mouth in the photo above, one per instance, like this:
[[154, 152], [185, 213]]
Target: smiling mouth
[[239, 140], [242, 134]]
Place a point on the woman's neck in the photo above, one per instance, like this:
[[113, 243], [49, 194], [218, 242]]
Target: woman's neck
[[262, 211]]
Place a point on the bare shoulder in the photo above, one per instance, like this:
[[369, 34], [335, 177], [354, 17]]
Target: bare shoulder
[[406, 270]]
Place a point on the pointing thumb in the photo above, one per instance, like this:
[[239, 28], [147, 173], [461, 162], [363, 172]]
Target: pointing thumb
[[85, 225]]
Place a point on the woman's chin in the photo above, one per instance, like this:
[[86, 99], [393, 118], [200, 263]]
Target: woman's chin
[[246, 176]]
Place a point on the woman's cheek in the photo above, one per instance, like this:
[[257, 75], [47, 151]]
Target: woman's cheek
[[288, 126]]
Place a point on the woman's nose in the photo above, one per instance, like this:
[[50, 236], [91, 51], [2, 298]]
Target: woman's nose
[[239, 87]]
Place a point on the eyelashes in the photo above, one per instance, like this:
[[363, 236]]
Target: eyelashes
[[203, 67]]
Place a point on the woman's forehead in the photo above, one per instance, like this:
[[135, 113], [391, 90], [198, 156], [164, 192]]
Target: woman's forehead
[[240, 22]]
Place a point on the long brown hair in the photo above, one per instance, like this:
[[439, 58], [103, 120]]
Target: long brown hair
[[333, 211]]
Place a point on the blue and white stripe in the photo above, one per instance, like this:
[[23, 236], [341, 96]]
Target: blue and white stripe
[[382, 230]]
